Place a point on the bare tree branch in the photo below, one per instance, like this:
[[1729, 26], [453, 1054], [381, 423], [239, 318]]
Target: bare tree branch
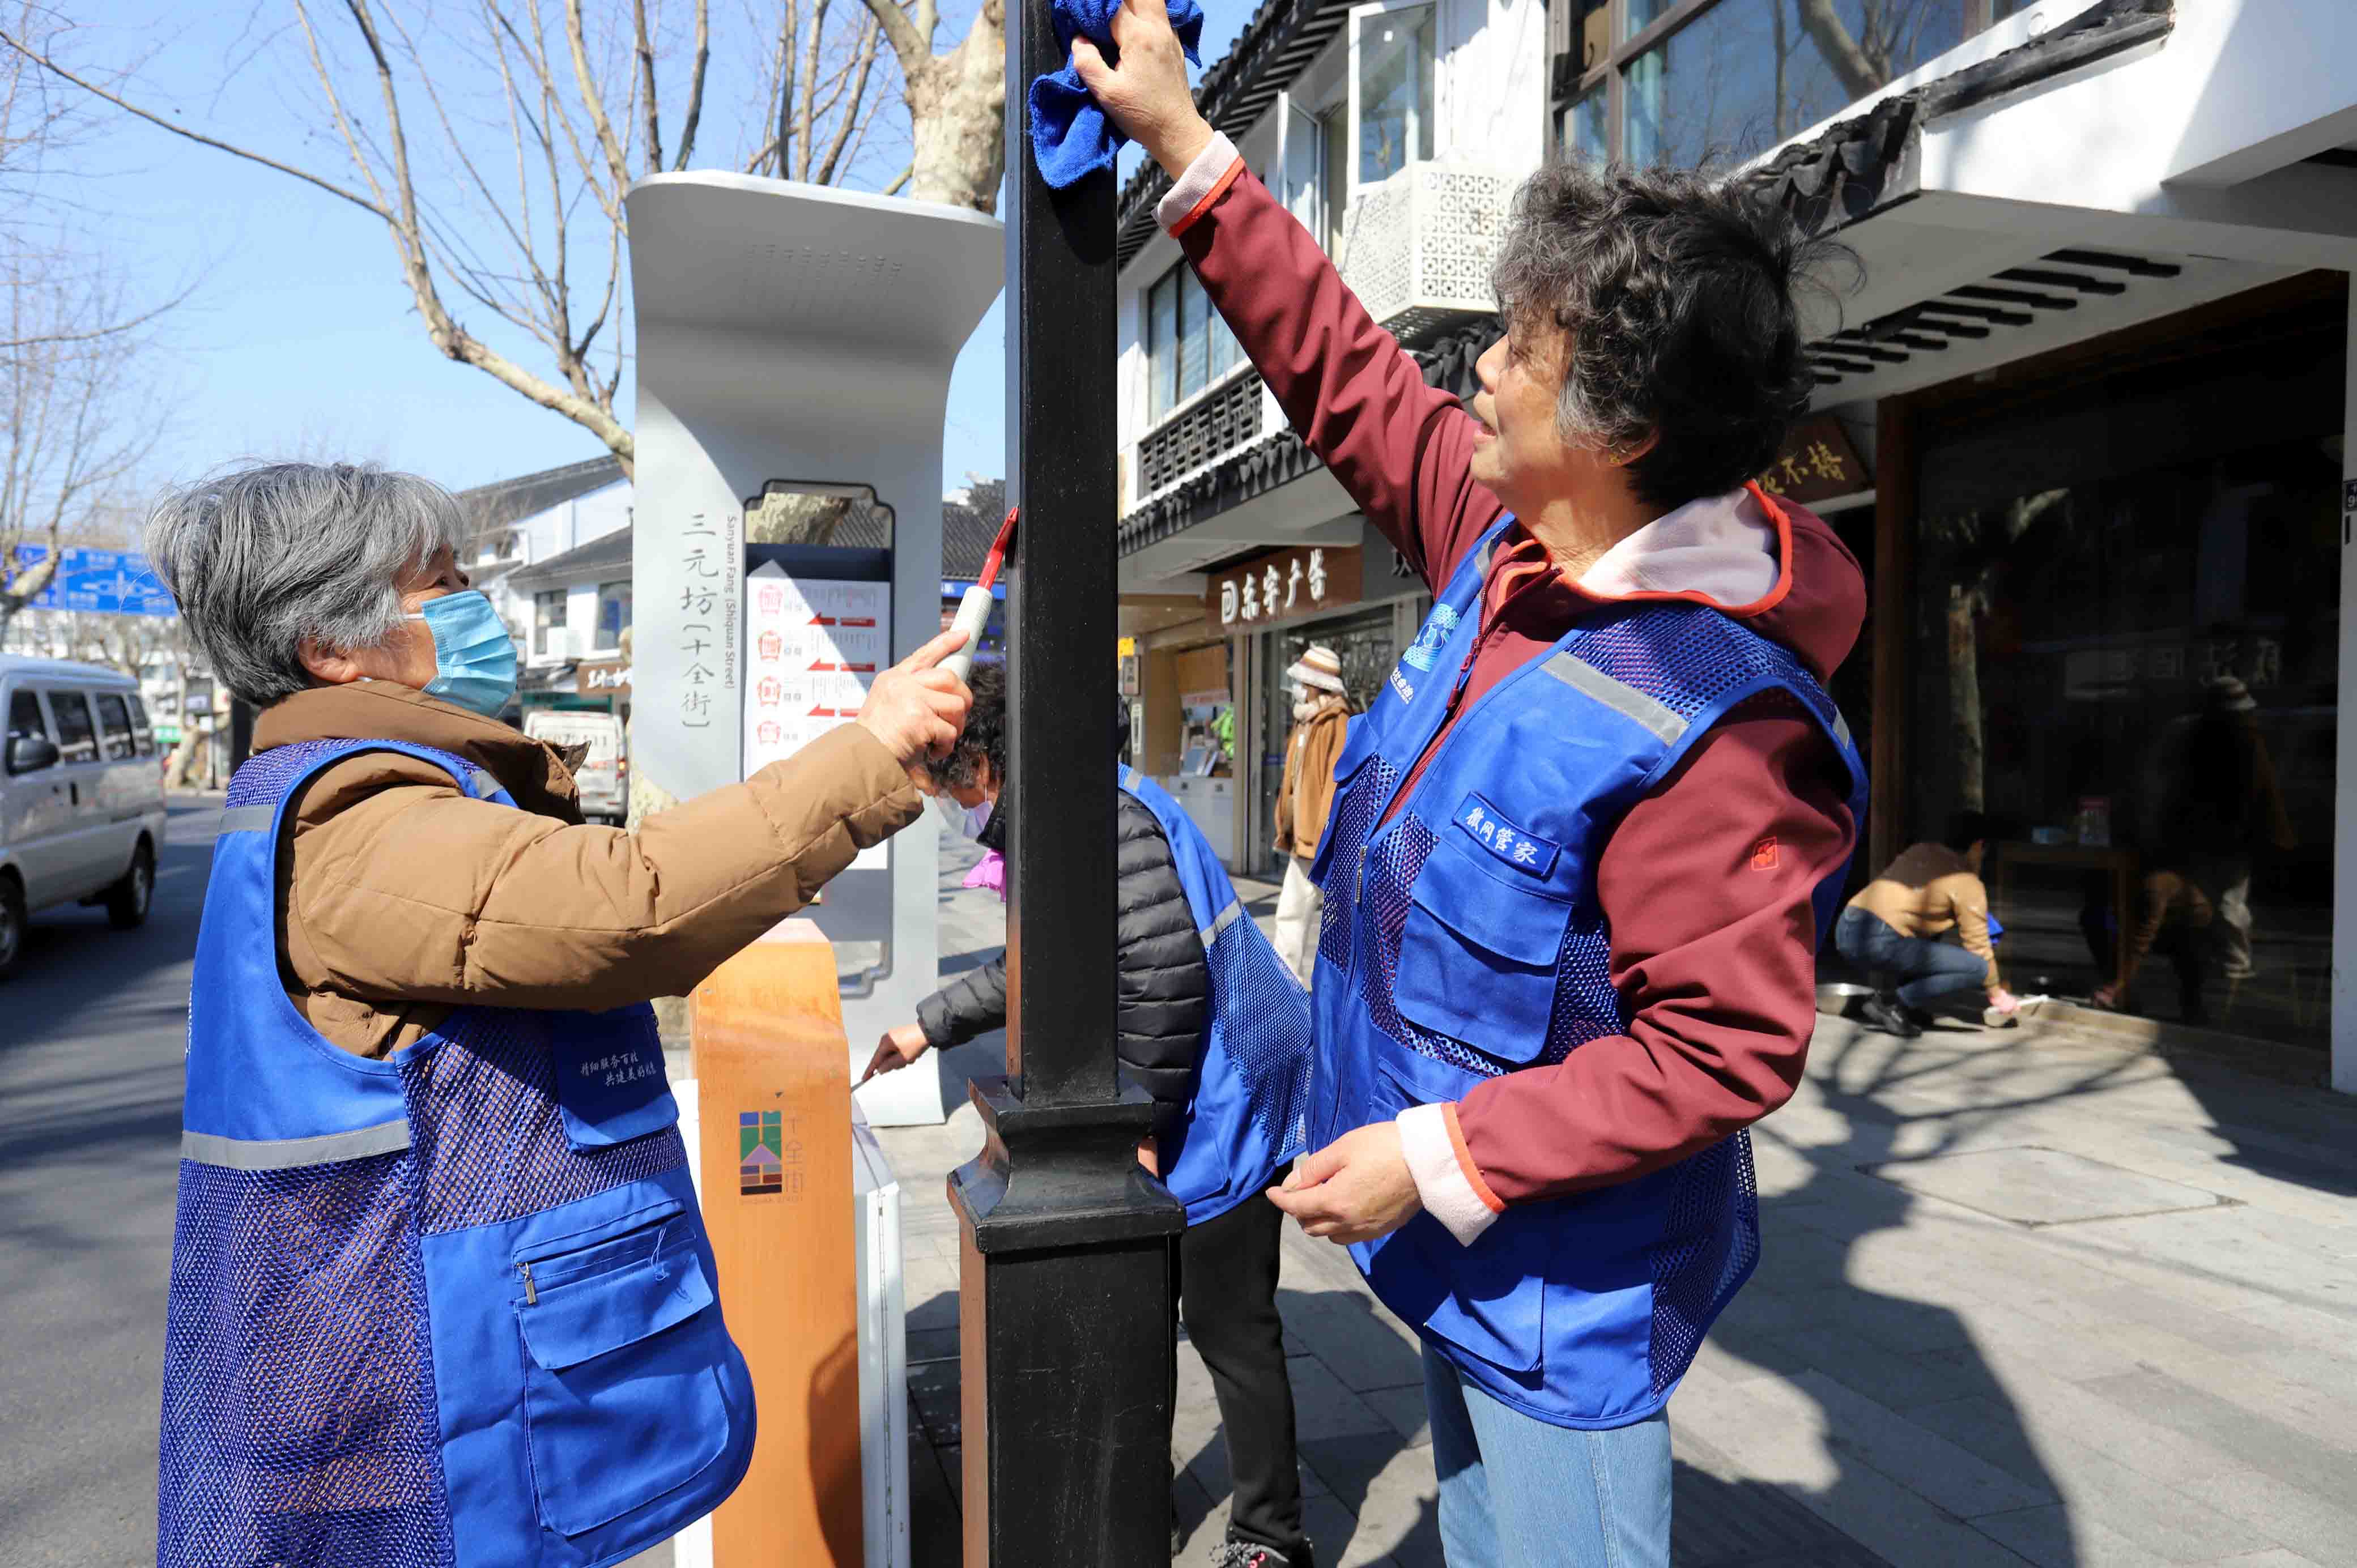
[[363, 203], [695, 82], [646, 50]]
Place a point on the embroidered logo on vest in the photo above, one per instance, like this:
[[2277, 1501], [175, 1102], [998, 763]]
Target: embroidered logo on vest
[[1522, 851]]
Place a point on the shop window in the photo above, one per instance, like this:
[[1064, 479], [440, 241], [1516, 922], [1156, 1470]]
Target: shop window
[[1393, 67], [1188, 345], [1736, 78], [1582, 128], [2126, 651], [548, 623], [613, 615]]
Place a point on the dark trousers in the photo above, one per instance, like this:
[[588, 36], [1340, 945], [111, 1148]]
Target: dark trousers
[[1924, 971], [1227, 1296]]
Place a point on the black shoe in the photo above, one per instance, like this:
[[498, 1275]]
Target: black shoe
[[1252, 1555], [1890, 1018], [1921, 1018]]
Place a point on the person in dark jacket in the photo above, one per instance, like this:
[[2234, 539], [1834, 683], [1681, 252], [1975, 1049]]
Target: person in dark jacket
[[1227, 1264]]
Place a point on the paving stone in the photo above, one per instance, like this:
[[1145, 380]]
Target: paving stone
[[2041, 1186], [2320, 1459], [2275, 1557], [2281, 1514], [1913, 1455], [2051, 1538], [1859, 1501], [1364, 1347], [1324, 1407], [933, 1344], [934, 1391], [1722, 1516], [1405, 1411]]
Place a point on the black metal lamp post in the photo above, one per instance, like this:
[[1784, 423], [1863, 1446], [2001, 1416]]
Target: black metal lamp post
[[1065, 1290]]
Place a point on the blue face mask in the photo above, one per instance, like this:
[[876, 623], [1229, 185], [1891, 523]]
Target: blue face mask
[[474, 657]]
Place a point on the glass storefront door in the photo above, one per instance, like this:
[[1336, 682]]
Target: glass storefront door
[[2126, 630], [1367, 646]]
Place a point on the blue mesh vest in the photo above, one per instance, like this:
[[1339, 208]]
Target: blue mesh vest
[[1249, 1109], [1463, 940], [447, 1309]]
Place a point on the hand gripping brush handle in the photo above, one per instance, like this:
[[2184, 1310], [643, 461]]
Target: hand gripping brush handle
[[974, 609]]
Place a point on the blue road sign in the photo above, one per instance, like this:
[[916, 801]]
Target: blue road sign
[[102, 582]]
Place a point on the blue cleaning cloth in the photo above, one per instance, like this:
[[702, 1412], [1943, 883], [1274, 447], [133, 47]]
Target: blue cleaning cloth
[[1071, 137]]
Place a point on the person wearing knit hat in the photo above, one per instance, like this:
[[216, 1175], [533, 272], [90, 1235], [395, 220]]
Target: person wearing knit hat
[[1321, 712]]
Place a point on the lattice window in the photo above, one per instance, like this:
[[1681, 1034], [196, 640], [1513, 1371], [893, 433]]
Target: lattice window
[[1201, 434]]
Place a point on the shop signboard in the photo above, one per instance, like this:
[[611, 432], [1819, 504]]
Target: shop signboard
[[610, 679], [1284, 586], [1818, 463]]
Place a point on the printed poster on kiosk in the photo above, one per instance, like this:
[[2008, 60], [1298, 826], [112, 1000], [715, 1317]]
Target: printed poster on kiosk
[[811, 649]]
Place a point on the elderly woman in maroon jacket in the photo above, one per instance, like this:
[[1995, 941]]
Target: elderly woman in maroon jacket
[[1651, 365]]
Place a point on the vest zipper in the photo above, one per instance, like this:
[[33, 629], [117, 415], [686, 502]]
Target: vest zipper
[[530, 1296]]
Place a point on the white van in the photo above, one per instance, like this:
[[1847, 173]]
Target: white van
[[604, 775], [81, 796]]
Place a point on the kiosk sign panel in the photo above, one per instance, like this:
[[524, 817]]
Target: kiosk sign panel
[[812, 649]]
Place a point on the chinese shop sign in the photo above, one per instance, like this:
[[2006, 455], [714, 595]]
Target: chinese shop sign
[[1818, 462], [1282, 586]]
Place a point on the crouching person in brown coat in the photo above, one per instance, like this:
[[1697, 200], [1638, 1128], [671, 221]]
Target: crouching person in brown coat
[[440, 1290]]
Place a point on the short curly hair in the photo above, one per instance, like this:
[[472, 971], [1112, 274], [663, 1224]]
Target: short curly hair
[[1674, 292], [985, 735]]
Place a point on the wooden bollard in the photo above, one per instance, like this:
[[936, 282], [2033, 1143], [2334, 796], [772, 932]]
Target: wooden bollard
[[774, 1098]]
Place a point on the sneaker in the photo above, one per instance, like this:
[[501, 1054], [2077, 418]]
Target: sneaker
[[1890, 1017], [1252, 1555]]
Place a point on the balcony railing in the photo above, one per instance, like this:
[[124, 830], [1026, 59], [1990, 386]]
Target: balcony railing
[[1227, 418], [1417, 249]]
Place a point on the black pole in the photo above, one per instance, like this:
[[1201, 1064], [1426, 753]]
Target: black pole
[[240, 732], [1065, 1287]]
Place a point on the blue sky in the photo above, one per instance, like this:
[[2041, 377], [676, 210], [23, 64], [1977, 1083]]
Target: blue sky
[[301, 337]]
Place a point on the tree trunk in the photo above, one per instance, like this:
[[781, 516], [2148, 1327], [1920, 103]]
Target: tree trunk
[[957, 106], [786, 518], [1965, 730]]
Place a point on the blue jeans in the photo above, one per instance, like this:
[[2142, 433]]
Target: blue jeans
[[1516, 1492], [1924, 971]]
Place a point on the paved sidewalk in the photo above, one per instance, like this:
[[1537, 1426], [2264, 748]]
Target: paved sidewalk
[[2033, 1296]]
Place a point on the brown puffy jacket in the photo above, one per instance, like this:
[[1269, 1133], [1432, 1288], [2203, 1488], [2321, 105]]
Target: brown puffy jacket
[[1306, 795], [403, 898]]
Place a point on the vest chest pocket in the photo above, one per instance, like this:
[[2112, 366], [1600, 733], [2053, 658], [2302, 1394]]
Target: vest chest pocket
[[1478, 956], [623, 1349], [610, 1086]]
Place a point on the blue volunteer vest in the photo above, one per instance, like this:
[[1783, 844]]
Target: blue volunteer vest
[[454, 1308], [1463, 940], [1250, 1111]]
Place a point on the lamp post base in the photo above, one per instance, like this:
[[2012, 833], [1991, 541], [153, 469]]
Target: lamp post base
[[1065, 1332]]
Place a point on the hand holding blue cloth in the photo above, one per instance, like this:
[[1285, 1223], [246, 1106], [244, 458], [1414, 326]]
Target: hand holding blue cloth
[[1071, 137]]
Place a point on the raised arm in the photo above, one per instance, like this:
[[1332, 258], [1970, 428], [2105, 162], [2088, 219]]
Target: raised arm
[[1399, 445]]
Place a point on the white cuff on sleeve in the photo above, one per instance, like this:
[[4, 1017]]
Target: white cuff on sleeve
[[1448, 1194], [1203, 178]]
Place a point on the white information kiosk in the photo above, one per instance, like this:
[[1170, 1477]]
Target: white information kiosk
[[797, 337]]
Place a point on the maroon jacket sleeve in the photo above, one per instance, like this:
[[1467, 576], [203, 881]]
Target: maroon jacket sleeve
[[1397, 444], [1707, 885]]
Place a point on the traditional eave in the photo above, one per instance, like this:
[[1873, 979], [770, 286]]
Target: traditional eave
[[1280, 459], [1859, 165]]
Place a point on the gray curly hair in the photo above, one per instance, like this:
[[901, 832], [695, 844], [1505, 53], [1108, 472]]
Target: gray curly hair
[[1673, 292]]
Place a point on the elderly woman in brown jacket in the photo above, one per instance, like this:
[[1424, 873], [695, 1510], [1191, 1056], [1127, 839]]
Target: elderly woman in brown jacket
[[325, 595], [1321, 713]]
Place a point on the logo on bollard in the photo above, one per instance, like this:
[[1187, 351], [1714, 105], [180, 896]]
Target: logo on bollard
[[760, 1154]]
